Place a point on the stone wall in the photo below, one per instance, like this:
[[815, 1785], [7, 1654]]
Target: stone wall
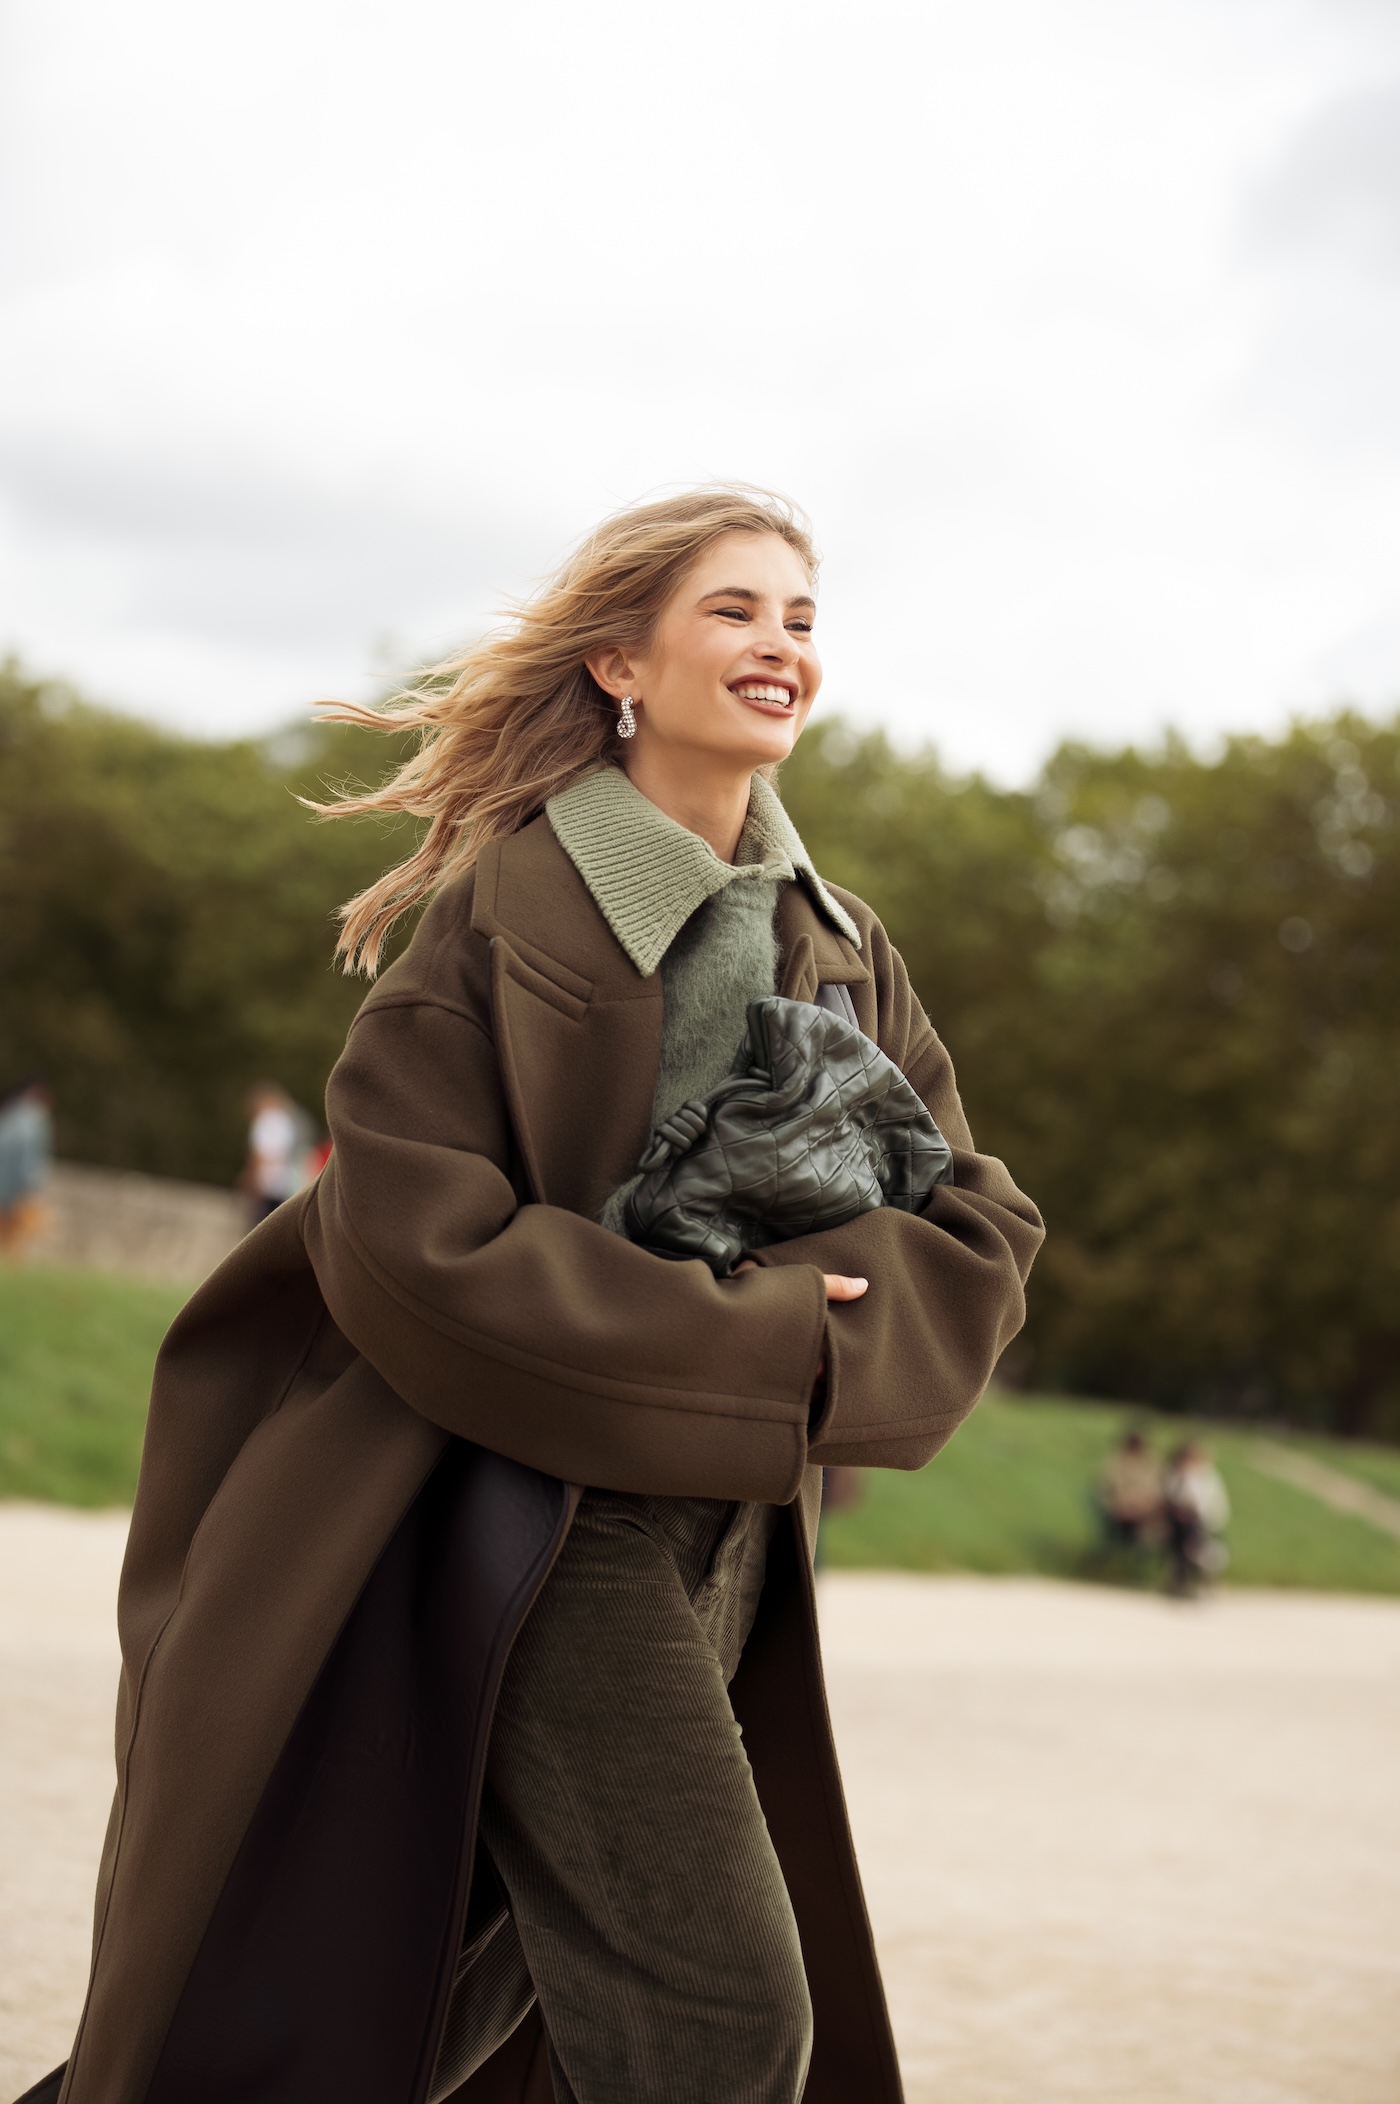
[[115, 1220]]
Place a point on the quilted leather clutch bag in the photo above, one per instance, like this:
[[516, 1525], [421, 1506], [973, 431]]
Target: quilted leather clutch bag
[[813, 1126]]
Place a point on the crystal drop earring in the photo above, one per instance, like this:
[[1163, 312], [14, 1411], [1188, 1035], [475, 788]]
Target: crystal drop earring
[[627, 721]]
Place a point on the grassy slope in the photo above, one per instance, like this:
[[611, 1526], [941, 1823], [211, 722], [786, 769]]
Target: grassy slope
[[1011, 1493], [76, 1350], [1378, 1466]]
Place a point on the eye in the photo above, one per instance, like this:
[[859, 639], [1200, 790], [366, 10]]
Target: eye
[[733, 613], [803, 628]]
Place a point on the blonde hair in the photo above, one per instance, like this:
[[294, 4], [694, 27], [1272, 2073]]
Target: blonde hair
[[516, 717]]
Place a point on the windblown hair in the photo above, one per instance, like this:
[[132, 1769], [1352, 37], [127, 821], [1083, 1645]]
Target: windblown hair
[[518, 716]]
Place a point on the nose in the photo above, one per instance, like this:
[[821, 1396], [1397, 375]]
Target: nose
[[775, 646]]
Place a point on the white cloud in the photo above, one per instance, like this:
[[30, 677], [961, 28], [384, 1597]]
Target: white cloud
[[326, 324]]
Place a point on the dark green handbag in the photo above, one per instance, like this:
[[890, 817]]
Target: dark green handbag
[[813, 1126]]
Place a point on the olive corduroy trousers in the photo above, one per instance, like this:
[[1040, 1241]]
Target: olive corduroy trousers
[[646, 1908]]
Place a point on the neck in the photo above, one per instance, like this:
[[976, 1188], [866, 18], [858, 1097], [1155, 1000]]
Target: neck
[[714, 805]]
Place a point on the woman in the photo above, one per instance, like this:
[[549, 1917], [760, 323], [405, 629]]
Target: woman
[[1198, 1512], [431, 1781]]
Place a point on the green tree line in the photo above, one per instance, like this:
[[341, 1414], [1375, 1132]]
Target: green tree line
[[1169, 984]]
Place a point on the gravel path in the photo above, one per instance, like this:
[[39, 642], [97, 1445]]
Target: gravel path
[[1329, 1485], [1116, 1848]]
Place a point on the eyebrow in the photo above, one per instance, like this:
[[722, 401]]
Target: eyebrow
[[739, 591]]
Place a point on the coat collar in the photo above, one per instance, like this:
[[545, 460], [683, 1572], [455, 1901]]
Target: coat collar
[[578, 1028], [648, 874]]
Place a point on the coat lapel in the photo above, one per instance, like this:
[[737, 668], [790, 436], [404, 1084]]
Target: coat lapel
[[578, 1030], [810, 951]]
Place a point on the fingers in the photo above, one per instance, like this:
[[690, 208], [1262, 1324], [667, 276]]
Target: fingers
[[837, 1287]]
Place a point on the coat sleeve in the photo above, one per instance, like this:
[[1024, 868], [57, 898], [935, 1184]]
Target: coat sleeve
[[528, 1328], [907, 1362]]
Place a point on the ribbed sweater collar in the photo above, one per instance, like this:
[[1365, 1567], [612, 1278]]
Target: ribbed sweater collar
[[648, 874]]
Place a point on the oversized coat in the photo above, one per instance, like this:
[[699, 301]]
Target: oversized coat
[[366, 1434]]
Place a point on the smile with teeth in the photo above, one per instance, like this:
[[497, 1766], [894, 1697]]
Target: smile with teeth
[[761, 691]]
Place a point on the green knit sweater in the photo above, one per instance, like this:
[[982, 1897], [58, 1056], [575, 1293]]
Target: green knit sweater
[[706, 924]]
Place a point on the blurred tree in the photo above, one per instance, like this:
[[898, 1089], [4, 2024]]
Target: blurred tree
[[1171, 990], [167, 927]]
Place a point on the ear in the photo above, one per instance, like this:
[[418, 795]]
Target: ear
[[615, 671]]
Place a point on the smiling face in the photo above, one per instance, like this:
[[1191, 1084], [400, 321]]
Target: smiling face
[[731, 672]]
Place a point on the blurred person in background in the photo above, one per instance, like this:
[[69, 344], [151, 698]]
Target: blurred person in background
[[1197, 1507], [26, 1151], [481, 1749], [1129, 1495], [281, 1140]]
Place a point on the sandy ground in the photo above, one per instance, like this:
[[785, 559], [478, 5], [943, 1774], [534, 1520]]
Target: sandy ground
[[1116, 1848]]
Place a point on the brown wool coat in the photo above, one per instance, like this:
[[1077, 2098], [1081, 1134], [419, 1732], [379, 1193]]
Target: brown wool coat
[[363, 1431]]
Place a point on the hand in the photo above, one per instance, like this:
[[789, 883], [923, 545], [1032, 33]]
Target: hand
[[837, 1288]]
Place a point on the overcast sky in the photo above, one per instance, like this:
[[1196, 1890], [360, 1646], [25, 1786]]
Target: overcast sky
[[326, 325]]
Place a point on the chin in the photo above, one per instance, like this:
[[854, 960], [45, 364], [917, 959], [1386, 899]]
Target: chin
[[767, 751], [762, 743]]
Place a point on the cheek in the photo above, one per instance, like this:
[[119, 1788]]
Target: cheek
[[720, 655], [692, 660]]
